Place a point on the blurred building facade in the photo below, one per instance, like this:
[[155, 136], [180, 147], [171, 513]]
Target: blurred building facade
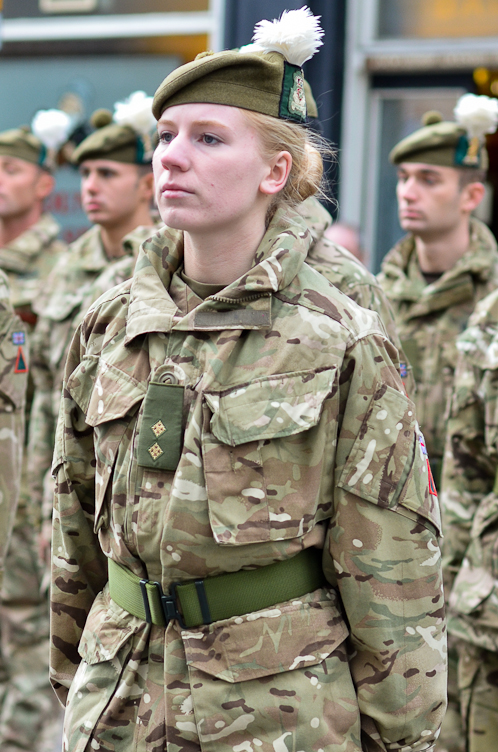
[[384, 63]]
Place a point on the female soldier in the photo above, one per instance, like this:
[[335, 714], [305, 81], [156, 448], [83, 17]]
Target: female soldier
[[245, 545]]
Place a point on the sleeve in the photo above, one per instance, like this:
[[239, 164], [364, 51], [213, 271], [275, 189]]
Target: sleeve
[[383, 548], [79, 568], [468, 469], [41, 433], [375, 299], [13, 382]]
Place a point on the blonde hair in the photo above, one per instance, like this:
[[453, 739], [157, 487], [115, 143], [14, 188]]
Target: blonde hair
[[306, 149]]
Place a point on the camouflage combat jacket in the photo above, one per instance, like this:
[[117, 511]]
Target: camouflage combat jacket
[[13, 380], [81, 275], [343, 269], [27, 261], [470, 481], [429, 318], [296, 434]]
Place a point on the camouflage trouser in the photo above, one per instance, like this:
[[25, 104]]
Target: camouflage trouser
[[452, 738], [30, 716], [478, 685]]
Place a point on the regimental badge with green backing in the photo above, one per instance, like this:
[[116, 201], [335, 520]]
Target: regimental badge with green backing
[[293, 100]]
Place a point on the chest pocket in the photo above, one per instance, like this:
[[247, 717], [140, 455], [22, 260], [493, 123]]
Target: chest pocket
[[264, 457], [110, 399]]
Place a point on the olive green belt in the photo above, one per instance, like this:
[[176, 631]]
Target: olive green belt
[[219, 597]]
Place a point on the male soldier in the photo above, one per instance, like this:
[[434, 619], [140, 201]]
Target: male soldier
[[434, 278], [116, 193], [28, 250], [470, 482]]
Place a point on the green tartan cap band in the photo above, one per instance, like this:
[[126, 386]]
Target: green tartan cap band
[[257, 81]]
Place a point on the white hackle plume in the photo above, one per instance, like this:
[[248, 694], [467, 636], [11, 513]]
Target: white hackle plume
[[52, 127], [136, 111], [297, 35], [477, 114]]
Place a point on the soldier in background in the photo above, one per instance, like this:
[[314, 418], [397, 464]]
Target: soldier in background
[[29, 248], [436, 274], [470, 482], [13, 381], [116, 193]]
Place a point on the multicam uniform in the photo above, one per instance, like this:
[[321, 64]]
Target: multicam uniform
[[429, 317], [13, 380], [470, 515], [24, 616], [80, 277], [296, 435], [350, 276]]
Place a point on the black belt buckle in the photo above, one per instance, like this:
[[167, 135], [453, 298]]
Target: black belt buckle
[[169, 605]]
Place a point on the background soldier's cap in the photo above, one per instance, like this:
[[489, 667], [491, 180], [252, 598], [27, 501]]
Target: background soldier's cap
[[452, 144], [263, 77], [39, 144], [122, 137]]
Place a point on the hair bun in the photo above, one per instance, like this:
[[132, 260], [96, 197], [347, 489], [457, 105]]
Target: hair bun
[[432, 117], [206, 53], [101, 118]]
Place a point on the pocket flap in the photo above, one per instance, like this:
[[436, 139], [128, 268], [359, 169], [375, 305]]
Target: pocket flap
[[291, 635], [107, 628], [270, 407], [113, 394], [382, 450]]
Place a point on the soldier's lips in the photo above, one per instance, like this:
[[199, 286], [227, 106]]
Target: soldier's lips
[[92, 207], [173, 191], [411, 215]]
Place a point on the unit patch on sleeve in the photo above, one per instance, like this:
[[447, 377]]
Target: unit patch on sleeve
[[21, 366]]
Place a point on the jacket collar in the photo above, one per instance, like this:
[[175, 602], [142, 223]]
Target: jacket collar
[[405, 282], [243, 304]]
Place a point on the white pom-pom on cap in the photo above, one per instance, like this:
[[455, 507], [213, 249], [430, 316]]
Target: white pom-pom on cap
[[477, 114], [297, 35], [52, 127], [136, 111]]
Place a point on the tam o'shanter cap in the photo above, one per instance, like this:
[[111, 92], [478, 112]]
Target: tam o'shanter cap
[[452, 144], [264, 77], [39, 144], [122, 137]]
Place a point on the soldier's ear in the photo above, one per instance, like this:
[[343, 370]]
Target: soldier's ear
[[147, 183], [44, 185], [471, 196]]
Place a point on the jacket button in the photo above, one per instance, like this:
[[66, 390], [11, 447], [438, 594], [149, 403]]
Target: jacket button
[[169, 378]]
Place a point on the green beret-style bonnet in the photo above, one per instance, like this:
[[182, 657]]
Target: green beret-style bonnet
[[452, 144], [264, 77], [122, 137], [39, 144]]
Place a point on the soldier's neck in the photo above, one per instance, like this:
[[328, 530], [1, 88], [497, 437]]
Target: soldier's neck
[[438, 252], [112, 235], [14, 226]]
